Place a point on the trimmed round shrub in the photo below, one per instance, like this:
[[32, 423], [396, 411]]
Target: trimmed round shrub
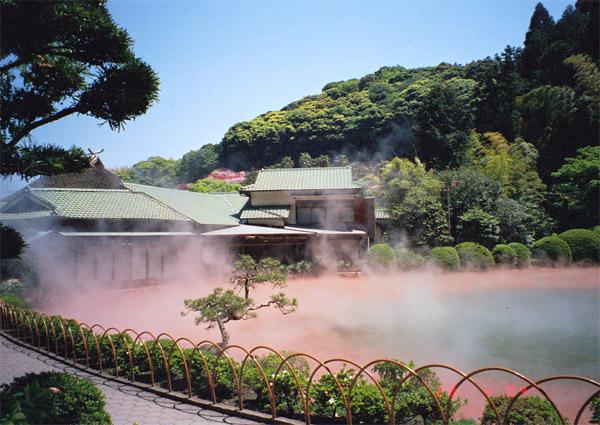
[[52, 398], [445, 257], [596, 229], [551, 250], [381, 256], [504, 255], [408, 260], [523, 254], [474, 256], [584, 244]]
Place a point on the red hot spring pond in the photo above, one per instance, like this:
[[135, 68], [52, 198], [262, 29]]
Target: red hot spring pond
[[539, 322]]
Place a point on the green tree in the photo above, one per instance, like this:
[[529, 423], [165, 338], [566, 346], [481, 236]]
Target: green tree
[[496, 92], [12, 244], [223, 306], [575, 193], [196, 164], [155, 171], [535, 58], [62, 58], [247, 273], [413, 196], [476, 225], [306, 161], [209, 185], [444, 121]]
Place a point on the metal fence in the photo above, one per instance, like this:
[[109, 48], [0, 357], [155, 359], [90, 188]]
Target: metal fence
[[283, 391]]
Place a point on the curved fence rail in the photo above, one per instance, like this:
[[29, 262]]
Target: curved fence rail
[[267, 384]]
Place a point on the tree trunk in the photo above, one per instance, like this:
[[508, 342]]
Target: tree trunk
[[224, 334]]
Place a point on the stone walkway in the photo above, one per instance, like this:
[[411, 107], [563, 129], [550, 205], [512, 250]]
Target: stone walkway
[[126, 405]]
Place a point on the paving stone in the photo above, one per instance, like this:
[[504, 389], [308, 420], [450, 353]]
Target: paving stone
[[125, 404]]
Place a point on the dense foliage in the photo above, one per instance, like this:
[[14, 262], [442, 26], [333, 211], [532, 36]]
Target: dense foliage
[[445, 257], [474, 256], [551, 250], [52, 398], [155, 171], [12, 243], [527, 410], [498, 150], [381, 257], [408, 260], [504, 255], [584, 244], [522, 253], [62, 58], [209, 185]]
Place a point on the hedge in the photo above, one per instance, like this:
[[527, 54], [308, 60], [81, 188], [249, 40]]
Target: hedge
[[381, 256], [523, 254], [504, 255], [408, 260], [584, 244], [52, 398], [551, 250], [474, 256], [445, 257]]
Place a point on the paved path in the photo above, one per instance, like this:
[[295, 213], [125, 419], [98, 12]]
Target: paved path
[[126, 405]]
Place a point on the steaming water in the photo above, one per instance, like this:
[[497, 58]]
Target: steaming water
[[539, 322]]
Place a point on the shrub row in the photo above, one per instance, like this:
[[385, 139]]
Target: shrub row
[[326, 403], [575, 245]]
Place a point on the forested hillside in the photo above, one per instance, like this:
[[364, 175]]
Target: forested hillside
[[514, 136]]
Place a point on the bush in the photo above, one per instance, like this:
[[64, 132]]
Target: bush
[[504, 255], [381, 256], [551, 250], [52, 398], [14, 300], [584, 244], [478, 226], [596, 229], [527, 410], [595, 409], [445, 257], [523, 254], [12, 244], [408, 260], [474, 256]]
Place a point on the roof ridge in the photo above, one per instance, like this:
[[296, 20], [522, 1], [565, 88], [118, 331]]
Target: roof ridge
[[306, 168], [74, 189]]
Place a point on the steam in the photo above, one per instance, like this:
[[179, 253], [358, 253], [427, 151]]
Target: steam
[[540, 322]]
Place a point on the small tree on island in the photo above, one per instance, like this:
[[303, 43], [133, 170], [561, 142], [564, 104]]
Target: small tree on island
[[223, 306]]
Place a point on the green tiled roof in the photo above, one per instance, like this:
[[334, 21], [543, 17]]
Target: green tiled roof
[[203, 208], [274, 212], [382, 214], [25, 215], [321, 178], [104, 204], [235, 201]]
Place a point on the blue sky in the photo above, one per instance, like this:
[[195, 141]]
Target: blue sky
[[224, 62]]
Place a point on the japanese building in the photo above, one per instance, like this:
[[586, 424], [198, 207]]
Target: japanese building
[[125, 231]]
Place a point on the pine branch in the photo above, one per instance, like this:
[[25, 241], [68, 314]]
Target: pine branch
[[35, 124]]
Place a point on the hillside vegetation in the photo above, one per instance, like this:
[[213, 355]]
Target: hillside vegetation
[[507, 144]]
